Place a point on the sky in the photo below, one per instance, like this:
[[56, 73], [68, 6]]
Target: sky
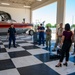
[[70, 11], [48, 13]]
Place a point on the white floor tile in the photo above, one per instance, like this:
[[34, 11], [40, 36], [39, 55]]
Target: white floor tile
[[2, 46], [4, 56], [26, 38], [5, 43], [9, 72], [66, 70], [15, 49], [25, 61], [37, 51], [41, 46], [19, 40], [25, 44]]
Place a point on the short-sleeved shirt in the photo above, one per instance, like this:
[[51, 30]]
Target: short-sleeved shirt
[[48, 31], [68, 35], [41, 28], [11, 31], [60, 31]]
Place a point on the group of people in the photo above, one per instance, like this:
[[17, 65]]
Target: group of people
[[41, 30], [66, 42], [64, 38], [48, 31]]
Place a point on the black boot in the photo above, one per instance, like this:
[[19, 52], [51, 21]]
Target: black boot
[[65, 64]]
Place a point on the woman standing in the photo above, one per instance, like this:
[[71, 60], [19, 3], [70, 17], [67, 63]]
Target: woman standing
[[66, 44]]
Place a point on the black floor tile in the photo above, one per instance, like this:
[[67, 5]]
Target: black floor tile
[[40, 69], [18, 54], [72, 59], [6, 46], [3, 33], [72, 73], [48, 49], [6, 64], [36, 43], [21, 42], [46, 57], [2, 50], [1, 43], [30, 47]]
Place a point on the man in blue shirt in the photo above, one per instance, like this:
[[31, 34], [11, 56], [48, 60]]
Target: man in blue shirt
[[11, 34], [41, 34]]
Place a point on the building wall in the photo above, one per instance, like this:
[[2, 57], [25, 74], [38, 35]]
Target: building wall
[[17, 13]]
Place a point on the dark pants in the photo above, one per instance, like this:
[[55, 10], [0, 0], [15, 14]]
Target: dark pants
[[12, 39], [41, 39], [35, 38], [65, 50], [74, 47]]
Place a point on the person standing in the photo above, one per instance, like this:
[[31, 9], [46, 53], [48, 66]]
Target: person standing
[[66, 43], [23, 21], [74, 42], [48, 37], [41, 34], [35, 35], [59, 36], [11, 34]]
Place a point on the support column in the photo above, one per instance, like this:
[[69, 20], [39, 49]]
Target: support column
[[30, 16], [61, 11]]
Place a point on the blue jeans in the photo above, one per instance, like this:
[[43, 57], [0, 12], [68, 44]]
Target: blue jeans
[[41, 39]]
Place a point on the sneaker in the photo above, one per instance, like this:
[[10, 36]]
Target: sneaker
[[15, 47]]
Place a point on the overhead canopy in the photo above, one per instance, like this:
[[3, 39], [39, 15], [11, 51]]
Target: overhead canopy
[[25, 3]]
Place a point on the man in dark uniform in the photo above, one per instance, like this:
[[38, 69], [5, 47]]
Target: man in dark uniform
[[11, 33], [41, 34]]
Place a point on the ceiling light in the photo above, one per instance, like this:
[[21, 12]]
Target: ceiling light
[[5, 3], [39, 0], [27, 6]]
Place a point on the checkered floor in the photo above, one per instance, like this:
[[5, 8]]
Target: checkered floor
[[28, 59]]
